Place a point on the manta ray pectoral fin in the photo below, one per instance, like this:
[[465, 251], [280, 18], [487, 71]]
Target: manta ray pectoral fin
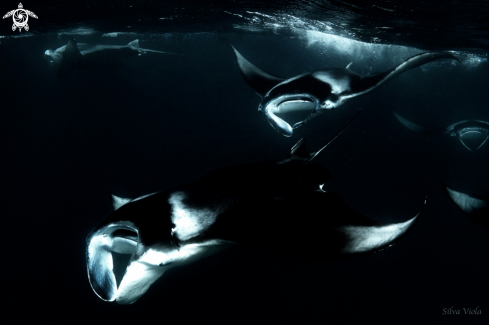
[[410, 125], [259, 80], [368, 239], [117, 202], [138, 278], [364, 239], [474, 206], [366, 84]]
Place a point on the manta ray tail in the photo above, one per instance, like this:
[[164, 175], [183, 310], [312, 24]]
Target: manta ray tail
[[366, 84], [259, 80], [135, 46], [313, 155]]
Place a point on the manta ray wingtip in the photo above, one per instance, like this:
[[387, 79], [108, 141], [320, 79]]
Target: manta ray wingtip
[[117, 202], [260, 81], [476, 207]]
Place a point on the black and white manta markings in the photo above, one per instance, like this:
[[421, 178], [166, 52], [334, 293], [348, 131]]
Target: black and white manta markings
[[73, 55], [315, 92], [278, 206], [473, 134]]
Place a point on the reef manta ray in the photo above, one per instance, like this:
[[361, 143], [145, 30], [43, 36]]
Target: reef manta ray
[[472, 134], [73, 55], [315, 92], [277, 206]]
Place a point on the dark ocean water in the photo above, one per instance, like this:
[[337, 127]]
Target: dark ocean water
[[155, 121]]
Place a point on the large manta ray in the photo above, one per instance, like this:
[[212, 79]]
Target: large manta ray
[[277, 206], [315, 92], [73, 55], [473, 134]]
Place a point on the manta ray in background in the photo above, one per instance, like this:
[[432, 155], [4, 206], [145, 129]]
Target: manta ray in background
[[278, 206], [473, 134], [73, 55], [312, 93]]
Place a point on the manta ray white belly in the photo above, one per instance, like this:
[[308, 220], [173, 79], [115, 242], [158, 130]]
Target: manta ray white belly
[[147, 264]]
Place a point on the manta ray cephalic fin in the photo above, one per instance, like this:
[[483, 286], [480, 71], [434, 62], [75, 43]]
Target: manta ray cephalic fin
[[260, 81]]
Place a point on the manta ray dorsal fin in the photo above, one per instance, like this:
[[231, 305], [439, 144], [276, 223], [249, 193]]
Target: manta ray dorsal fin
[[259, 80], [117, 202], [134, 44], [71, 51]]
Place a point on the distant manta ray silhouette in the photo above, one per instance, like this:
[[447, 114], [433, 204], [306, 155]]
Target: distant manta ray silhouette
[[472, 134], [315, 92], [73, 55], [279, 207]]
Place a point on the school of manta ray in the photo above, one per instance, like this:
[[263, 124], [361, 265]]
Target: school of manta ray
[[185, 223]]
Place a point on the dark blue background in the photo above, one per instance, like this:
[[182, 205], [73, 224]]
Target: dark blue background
[[162, 120]]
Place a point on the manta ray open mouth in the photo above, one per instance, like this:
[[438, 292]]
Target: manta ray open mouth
[[105, 247], [473, 137], [295, 108]]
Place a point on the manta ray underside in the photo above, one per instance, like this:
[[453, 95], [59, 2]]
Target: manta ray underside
[[309, 94], [476, 207], [276, 206]]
